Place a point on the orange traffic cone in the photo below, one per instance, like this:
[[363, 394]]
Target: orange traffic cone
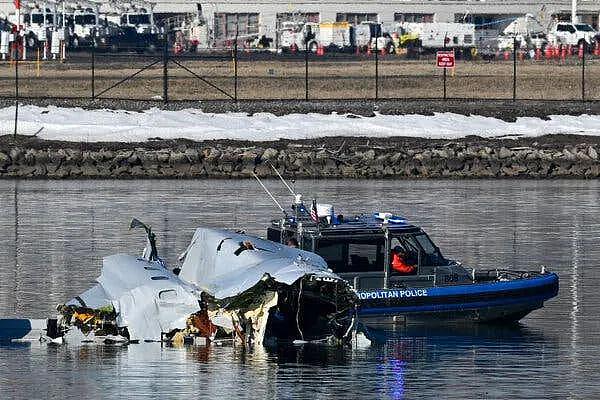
[[538, 54], [548, 52], [563, 53], [597, 49], [506, 55], [320, 50], [580, 52]]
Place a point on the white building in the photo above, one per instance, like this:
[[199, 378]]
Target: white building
[[264, 16]]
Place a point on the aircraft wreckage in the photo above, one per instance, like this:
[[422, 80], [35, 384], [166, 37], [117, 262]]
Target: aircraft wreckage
[[230, 286]]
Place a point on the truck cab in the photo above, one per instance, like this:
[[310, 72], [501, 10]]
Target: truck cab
[[568, 33]]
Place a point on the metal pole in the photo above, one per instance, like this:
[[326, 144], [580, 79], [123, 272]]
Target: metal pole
[[514, 94], [583, 71], [445, 38], [386, 257], [17, 57], [377, 65], [93, 71], [306, 68], [235, 68], [166, 70]]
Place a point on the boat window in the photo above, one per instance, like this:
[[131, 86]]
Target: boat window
[[159, 278], [352, 256], [426, 244], [333, 253], [420, 249], [364, 256]]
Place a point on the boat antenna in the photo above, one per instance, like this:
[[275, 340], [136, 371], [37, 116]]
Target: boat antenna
[[269, 193], [282, 180]]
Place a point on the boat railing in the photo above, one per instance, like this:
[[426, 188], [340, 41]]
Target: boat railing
[[374, 280]]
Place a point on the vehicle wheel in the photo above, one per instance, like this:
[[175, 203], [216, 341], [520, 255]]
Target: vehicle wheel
[[75, 42], [114, 48], [313, 46], [151, 49], [392, 49]]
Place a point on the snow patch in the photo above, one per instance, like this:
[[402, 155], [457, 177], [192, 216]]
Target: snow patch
[[79, 125]]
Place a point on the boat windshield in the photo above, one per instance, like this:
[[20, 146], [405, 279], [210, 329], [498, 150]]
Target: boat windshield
[[420, 248], [367, 254]]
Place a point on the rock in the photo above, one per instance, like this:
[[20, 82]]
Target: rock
[[4, 159], [592, 153], [192, 155], [269, 154], [30, 157], [504, 153]]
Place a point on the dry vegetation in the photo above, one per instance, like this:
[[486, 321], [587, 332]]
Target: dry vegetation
[[328, 79]]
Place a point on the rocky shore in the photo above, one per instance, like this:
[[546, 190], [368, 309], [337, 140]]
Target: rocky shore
[[400, 158]]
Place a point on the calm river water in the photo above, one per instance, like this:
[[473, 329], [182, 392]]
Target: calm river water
[[53, 236]]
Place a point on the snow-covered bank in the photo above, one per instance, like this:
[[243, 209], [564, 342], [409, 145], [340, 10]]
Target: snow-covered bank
[[79, 125]]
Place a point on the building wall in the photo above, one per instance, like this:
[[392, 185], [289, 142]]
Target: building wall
[[444, 10]]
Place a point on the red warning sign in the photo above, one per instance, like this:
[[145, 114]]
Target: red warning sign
[[445, 59]]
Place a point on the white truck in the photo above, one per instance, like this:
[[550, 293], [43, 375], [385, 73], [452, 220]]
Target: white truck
[[528, 32], [135, 14], [336, 35], [37, 22], [568, 33], [82, 20], [437, 35], [291, 36]]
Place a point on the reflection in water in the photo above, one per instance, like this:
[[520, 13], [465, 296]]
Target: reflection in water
[[54, 235]]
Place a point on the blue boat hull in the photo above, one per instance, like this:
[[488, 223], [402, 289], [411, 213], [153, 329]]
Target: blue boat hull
[[507, 301]]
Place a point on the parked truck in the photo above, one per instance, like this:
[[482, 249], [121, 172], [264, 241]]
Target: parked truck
[[37, 22], [527, 31], [313, 35], [569, 33], [438, 35]]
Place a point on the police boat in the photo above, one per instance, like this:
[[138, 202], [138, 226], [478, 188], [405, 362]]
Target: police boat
[[439, 290]]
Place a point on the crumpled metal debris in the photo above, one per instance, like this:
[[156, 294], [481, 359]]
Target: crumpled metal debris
[[230, 285]]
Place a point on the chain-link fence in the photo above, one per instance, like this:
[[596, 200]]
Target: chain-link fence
[[159, 74]]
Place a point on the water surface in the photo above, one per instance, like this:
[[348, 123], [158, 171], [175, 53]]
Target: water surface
[[53, 236]]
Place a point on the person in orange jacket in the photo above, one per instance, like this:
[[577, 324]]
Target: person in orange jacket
[[399, 263]]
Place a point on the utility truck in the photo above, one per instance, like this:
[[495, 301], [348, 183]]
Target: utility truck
[[329, 35], [37, 21], [527, 31], [138, 14], [433, 36], [82, 20]]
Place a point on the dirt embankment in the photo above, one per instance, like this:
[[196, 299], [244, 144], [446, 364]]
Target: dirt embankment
[[554, 156]]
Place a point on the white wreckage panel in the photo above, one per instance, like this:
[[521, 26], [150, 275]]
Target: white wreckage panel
[[217, 262], [242, 286], [147, 298]]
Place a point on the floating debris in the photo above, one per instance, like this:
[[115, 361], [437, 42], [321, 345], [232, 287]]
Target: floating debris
[[231, 287]]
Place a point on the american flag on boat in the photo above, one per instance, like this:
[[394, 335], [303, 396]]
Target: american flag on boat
[[313, 212]]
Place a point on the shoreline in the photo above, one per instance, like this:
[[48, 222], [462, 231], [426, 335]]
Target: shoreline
[[546, 157]]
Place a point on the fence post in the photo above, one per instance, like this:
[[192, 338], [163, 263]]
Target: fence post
[[17, 58], [306, 68], [583, 71], [377, 65], [93, 71], [166, 70], [445, 39], [514, 94], [235, 68]]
